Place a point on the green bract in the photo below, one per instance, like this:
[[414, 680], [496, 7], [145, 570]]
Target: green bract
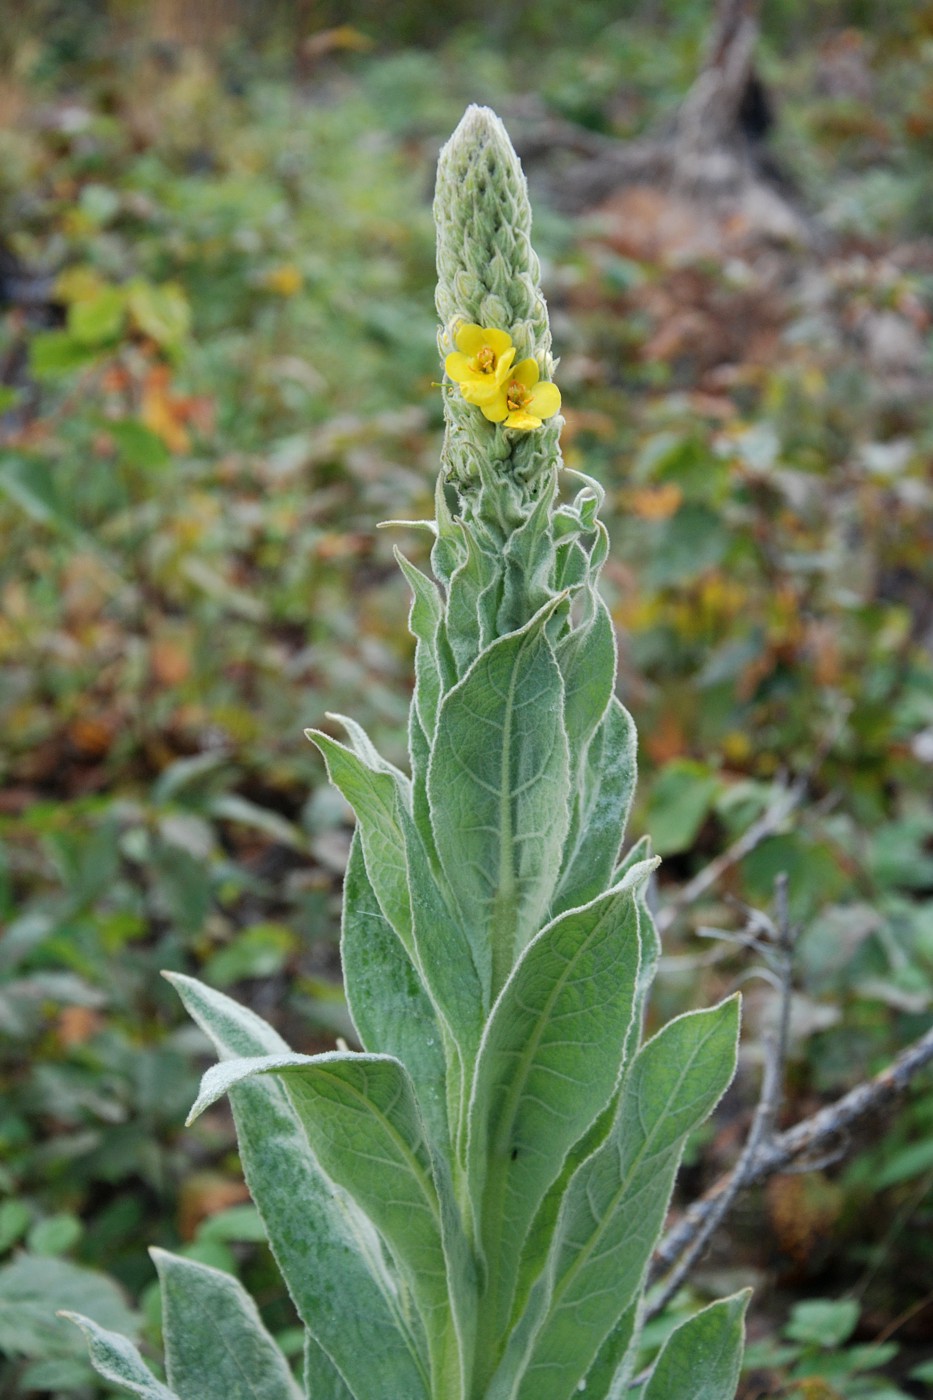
[[467, 1209]]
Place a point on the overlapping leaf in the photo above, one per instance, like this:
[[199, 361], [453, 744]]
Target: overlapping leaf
[[328, 1251], [216, 1346], [361, 1117], [614, 1207], [549, 1061], [498, 787]]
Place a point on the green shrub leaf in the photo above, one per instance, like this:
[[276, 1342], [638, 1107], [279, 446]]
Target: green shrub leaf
[[216, 1347], [116, 1359], [616, 1201], [548, 1064], [326, 1251], [702, 1357], [498, 788]]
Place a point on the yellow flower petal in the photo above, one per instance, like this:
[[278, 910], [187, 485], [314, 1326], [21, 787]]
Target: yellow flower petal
[[545, 400], [522, 420], [504, 360], [475, 386], [479, 390], [527, 373], [496, 410], [470, 339], [458, 366]]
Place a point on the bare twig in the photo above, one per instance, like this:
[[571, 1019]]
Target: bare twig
[[780, 957], [787, 799], [796, 1146]]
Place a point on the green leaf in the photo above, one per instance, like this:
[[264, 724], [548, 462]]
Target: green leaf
[[98, 319], [528, 557], [702, 1357], [99, 203], [161, 312], [549, 1062], [467, 624], [403, 881], [601, 803], [15, 1219], [424, 621], [54, 1235], [30, 486], [138, 445], [117, 1359], [372, 792], [681, 799], [216, 1347], [261, 950], [587, 660], [33, 1289], [54, 353], [694, 540], [230, 806], [498, 788], [56, 1373], [322, 1379], [361, 1119], [391, 1010], [608, 1377], [616, 1202], [327, 1252], [236, 1223], [444, 953], [823, 1322], [907, 1162]]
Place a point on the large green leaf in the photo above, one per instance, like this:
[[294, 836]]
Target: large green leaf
[[650, 938], [34, 1288], [372, 792], [116, 1359], [361, 1118], [445, 954], [322, 1380], [587, 660], [601, 801], [327, 1250], [435, 671], [216, 1347], [405, 885], [703, 1356], [609, 1375], [423, 623], [528, 558], [391, 1010], [468, 619], [549, 1062], [615, 1205], [498, 788]]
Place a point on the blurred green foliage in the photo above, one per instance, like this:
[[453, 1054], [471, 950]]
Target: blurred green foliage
[[221, 378]]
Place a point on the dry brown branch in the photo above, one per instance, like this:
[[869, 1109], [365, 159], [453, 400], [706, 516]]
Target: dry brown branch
[[770, 821], [795, 1148], [779, 955]]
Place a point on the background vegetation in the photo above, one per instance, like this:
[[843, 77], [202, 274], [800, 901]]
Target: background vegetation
[[216, 364]]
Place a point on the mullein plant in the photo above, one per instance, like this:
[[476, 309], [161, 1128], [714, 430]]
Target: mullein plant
[[466, 1209]]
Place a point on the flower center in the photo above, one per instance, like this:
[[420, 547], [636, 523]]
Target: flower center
[[485, 362], [517, 397]]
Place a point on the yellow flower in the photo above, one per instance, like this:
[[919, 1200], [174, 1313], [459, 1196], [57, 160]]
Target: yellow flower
[[524, 399], [286, 280], [480, 363]]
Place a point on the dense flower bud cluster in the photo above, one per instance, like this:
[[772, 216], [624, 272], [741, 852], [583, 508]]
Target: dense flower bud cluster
[[489, 277]]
